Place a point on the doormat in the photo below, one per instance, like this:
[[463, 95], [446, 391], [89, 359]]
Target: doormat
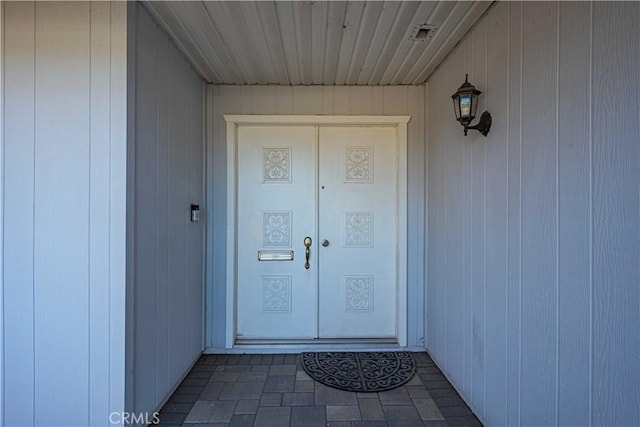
[[360, 371]]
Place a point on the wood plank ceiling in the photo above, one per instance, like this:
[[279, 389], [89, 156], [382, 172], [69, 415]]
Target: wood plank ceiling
[[319, 42]]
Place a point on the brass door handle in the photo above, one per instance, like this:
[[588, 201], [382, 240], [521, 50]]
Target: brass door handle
[[307, 251]]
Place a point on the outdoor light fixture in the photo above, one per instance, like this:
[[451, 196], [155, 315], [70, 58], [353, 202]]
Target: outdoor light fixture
[[465, 104]]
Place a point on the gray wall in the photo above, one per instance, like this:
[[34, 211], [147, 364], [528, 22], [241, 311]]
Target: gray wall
[[166, 175], [533, 232], [63, 212], [363, 100]]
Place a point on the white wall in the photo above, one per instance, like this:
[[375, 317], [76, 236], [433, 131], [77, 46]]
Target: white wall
[[357, 100], [533, 232], [166, 176], [63, 224]]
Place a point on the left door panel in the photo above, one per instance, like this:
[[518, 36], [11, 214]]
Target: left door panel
[[276, 211]]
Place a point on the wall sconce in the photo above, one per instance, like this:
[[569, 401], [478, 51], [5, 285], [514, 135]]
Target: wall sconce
[[465, 104]]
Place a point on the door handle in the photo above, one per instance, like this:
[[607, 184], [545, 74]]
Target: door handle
[[307, 252]]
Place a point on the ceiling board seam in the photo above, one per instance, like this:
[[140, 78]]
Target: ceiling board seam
[[321, 16], [225, 71], [385, 47], [404, 57], [350, 35], [386, 43], [462, 39], [287, 57], [430, 43], [177, 41], [299, 57], [434, 44], [303, 62], [280, 45], [269, 74], [338, 44], [352, 64], [341, 40], [362, 75], [241, 41], [225, 45]]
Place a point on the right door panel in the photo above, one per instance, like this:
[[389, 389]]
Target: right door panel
[[358, 181]]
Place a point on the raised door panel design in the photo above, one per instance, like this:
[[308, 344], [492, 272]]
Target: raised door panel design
[[358, 293], [277, 164], [358, 229], [276, 293], [276, 229], [358, 164]]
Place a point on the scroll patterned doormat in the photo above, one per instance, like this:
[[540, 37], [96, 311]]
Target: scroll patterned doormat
[[360, 371]]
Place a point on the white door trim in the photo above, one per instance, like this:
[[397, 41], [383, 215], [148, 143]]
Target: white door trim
[[400, 122]]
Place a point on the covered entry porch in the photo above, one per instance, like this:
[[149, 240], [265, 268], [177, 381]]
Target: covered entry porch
[[523, 246]]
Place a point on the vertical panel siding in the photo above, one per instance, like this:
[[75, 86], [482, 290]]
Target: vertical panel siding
[[146, 176], [514, 216], [467, 256], [118, 246], [169, 176], [416, 215], [197, 192], [574, 216], [61, 218], [2, 212], [478, 167], [539, 210], [534, 230], [393, 100], [497, 157], [63, 284], [452, 267], [164, 79], [99, 213], [176, 334], [433, 204], [19, 201], [615, 179]]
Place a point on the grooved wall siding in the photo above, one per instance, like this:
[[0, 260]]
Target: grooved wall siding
[[166, 177], [357, 100], [533, 232], [64, 212]]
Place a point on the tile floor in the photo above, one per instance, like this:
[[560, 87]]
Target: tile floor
[[272, 390]]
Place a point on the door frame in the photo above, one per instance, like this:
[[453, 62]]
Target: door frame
[[233, 121]]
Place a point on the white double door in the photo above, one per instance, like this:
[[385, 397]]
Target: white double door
[[338, 186]]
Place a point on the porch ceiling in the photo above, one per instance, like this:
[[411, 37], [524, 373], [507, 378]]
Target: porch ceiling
[[321, 42]]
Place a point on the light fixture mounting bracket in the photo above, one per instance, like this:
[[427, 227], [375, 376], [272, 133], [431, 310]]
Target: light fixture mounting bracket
[[483, 126]]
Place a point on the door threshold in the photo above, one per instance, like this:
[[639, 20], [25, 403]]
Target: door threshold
[[324, 344], [332, 341]]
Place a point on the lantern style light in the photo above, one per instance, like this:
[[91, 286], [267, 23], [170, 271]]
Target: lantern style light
[[465, 105]]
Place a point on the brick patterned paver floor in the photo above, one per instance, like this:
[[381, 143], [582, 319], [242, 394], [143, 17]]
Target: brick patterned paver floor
[[272, 390]]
